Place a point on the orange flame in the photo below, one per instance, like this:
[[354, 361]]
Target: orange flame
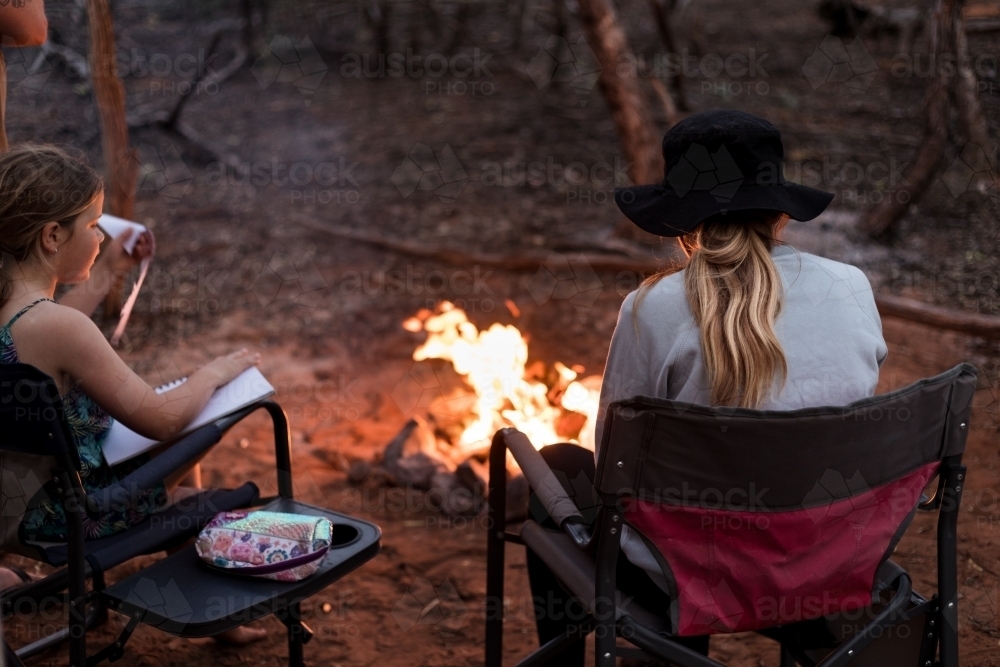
[[493, 362]]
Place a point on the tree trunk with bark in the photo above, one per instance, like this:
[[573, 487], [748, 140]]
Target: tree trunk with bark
[[626, 100], [3, 103], [109, 94]]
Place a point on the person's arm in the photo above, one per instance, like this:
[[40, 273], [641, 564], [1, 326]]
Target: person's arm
[[82, 352], [865, 296], [627, 371], [23, 23], [111, 265]]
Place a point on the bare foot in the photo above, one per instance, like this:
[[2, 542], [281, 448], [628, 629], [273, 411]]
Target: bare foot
[[241, 636], [9, 579]]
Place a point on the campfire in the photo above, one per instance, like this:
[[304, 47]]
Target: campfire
[[488, 385], [507, 394]]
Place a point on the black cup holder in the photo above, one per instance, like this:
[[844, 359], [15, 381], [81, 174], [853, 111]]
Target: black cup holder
[[343, 535]]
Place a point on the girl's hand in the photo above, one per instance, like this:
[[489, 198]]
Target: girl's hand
[[118, 260], [228, 367]]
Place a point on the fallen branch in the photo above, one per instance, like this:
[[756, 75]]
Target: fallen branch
[[523, 261], [974, 324], [194, 137], [74, 61], [169, 121]]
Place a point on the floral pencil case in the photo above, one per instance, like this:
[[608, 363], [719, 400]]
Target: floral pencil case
[[273, 545]]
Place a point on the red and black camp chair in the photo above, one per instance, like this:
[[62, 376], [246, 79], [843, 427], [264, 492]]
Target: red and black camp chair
[[178, 594], [763, 521]]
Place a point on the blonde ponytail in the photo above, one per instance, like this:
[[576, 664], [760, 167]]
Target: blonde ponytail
[[734, 291]]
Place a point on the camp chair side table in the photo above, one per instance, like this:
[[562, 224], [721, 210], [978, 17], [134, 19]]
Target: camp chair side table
[[178, 594], [842, 485]]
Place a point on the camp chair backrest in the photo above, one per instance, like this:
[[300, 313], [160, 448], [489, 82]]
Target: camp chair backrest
[[760, 518], [34, 442], [31, 412]]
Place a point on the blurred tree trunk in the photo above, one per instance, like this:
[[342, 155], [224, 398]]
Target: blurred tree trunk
[[629, 106], [109, 94], [661, 13], [966, 91], [3, 103]]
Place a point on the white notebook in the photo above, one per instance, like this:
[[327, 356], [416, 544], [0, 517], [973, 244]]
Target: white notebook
[[249, 387], [114, 226]]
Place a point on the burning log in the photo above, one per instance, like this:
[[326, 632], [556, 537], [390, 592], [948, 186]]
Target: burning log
[[415, 470], [452, 498], [394, 450], [474, 476], [411, 458], [359, 472]]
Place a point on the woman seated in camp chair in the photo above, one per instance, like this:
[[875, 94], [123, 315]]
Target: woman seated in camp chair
[[50, 203], [745, 321]]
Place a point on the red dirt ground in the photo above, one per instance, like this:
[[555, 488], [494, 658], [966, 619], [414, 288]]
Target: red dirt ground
[[421, 549]]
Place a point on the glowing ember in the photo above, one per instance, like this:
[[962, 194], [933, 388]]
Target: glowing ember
[[493, 362]]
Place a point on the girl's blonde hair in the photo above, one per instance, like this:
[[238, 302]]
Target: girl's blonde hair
[[38, 185], [734, 291]]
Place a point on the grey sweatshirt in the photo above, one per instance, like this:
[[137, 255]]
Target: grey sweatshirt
[[828, 327]]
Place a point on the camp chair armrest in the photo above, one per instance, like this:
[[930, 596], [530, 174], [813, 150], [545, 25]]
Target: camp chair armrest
[[189, 448], [129, 489], [545, 484]]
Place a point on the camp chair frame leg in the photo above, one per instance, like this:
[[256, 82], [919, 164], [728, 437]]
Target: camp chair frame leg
[[282, 448], [299, 634], [605, 590], [73, 504], [557, 645], [952, 482], [96, 616], [40, 592], [10, 657]]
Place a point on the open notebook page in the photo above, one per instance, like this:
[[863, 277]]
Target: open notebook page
[[249, 387]]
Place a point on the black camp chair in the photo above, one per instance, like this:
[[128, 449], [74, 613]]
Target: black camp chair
[[832, 488], [179, 594]]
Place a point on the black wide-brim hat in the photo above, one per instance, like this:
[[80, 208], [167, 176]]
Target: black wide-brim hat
[[714, 162]]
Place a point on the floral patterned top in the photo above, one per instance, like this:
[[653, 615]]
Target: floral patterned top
[[89, 424]]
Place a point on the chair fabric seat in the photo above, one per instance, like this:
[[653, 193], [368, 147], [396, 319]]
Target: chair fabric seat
[[577, 570], [186, 597], [175, 522]]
